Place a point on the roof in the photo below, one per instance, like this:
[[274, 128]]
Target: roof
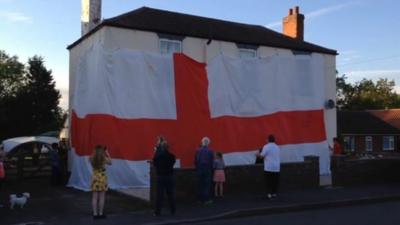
[[161, 21], [390, 116], [363, 123]]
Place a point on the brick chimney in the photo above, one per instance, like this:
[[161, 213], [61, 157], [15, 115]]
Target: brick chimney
[[90, 15], [293, 24]]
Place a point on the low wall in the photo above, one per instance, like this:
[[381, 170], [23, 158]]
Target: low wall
[[348, 172], [247, 179]]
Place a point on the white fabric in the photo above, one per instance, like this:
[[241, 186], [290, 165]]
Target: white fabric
[[272, 160], [255, 87], [126, 84], [121, 174]]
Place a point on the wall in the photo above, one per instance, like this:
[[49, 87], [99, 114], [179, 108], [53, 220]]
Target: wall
[[247, 179], [349, 172]]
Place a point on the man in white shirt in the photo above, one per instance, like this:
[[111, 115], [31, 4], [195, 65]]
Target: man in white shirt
[[272, 166]]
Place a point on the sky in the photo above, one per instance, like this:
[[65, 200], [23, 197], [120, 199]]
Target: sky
[[366, 33]]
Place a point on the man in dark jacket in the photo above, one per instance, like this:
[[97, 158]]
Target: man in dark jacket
[[203, 161], [163, 162]]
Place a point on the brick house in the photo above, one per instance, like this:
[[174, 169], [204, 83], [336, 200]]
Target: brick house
[[369, 131]]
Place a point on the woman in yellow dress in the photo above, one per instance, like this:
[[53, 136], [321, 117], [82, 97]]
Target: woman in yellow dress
[[98, 160]]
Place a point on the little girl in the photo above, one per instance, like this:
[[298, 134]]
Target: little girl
[[219, 175]]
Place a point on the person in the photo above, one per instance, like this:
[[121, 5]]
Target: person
[[219, 175], [159, 144], [204, 166], [271, 156], [163, 162], [99, 159], [55, 164], [337, 148], [63, 155], [2, 169]]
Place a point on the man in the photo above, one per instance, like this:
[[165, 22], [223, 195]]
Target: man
[[163, 162], [54, 158], [272, 166], [204, 167], [337, 148]]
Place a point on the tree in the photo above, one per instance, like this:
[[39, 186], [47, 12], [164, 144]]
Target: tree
[[28, 98], [366, 94], [41, 97]]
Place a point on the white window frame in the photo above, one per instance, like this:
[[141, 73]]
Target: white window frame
[[349, 143], [247, 50], [169, 41], [391, 143], [368, 144]]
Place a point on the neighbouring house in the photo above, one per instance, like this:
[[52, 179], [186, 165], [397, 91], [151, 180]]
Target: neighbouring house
[[149, 72], [370, 131]]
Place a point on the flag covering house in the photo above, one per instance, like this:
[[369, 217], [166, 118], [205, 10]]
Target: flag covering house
[[152, 72]]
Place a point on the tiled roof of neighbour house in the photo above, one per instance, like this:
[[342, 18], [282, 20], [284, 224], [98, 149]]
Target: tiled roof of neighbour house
[[166, 22], [390, 116], [363, 123]]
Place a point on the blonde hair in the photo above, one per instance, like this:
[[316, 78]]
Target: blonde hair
[[205, 141], [98, 157]]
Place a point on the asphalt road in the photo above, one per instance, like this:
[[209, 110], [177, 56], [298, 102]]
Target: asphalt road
[[374, 214]]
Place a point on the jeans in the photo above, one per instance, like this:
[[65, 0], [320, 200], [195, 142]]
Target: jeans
[[204, 185], [165, 184]]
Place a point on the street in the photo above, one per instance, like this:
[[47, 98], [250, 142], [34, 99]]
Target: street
[[372, 214]]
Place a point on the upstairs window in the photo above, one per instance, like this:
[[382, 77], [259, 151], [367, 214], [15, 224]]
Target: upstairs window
[[368, 143], [388, 143], [170, 46], [245, 53]]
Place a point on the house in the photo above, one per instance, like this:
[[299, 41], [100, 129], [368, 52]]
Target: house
[[149, 72], [370, 131]]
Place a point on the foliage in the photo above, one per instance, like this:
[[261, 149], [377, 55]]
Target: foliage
[[28, 98], [366, 94]]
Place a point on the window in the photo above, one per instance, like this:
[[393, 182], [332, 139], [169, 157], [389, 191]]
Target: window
[[349, 144], [170, 46], [246, 53], [368, 143], [388, 143]]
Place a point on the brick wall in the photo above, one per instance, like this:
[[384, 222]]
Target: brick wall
[[247, 179], [348, 172]]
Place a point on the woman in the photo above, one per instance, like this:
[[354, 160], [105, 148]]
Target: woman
[[98, 160]]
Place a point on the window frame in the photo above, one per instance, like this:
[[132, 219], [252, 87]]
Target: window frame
[[390, 139], [369, 146], [349, 143], [248, 50], [169, 41]]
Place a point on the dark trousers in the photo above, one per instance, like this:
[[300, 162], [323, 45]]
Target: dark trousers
[[165, 184], [204, 185], [271, 181]]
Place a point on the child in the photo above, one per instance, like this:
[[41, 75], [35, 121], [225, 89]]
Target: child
[[99, 186], [219, 175]]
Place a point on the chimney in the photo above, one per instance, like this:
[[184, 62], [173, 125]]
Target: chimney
[[90, 15], [293, 24]]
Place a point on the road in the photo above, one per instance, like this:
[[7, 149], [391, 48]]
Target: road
[[374, 214]]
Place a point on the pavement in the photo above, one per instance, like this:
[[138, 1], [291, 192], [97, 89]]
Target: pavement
[[66, 206]]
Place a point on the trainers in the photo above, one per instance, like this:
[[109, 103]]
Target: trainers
[[269, 196]]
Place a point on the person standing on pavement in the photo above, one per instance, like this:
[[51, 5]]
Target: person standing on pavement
[[337, 148], [219, 175], [163, 162], [2, 169], [272, 164], [99, 159], [55, 164], [204, 159]]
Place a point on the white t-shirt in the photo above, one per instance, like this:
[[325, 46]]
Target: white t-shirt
[[272, 159]]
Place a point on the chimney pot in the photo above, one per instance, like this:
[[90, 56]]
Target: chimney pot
[[296, 10], [293, 24]]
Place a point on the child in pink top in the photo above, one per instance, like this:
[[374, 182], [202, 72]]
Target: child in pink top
[[219, 175]]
